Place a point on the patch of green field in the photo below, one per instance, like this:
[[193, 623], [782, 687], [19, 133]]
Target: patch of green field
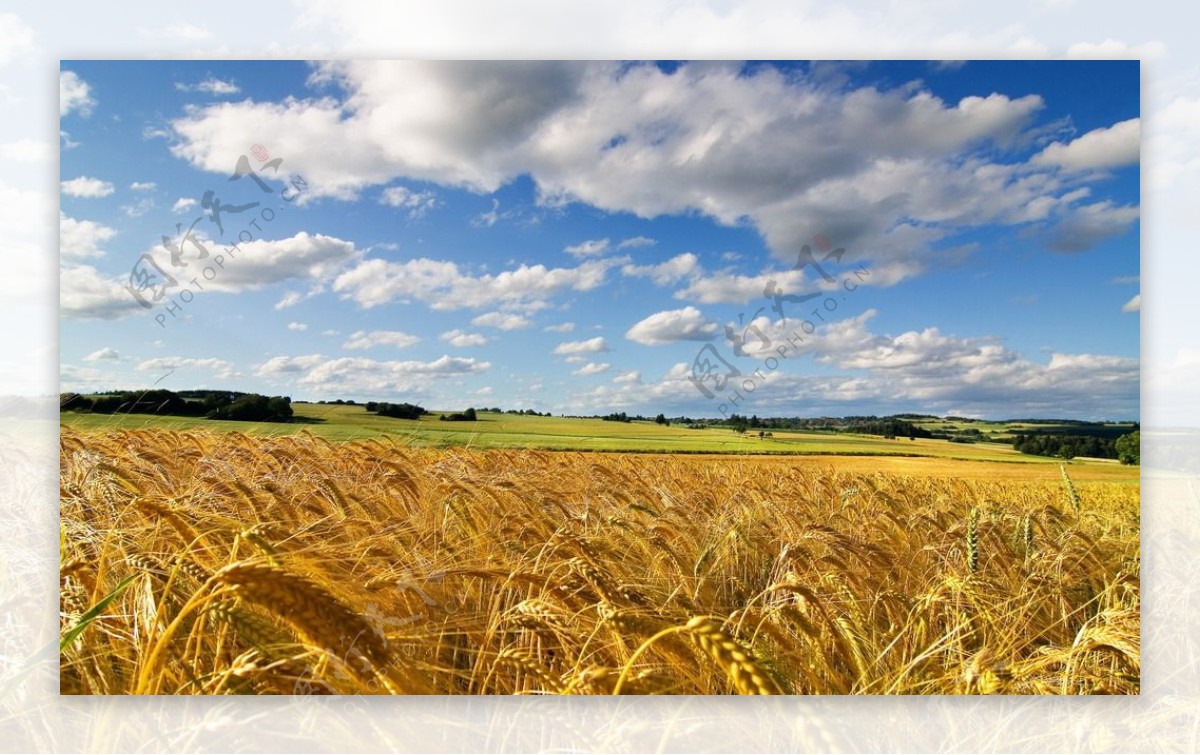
[[1004, 432], [345, 422]]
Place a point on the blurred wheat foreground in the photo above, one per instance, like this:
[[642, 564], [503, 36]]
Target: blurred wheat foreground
[[220, 563]]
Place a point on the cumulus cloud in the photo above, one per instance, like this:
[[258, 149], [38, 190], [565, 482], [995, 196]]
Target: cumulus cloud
[[1088, 225], [445, 285], [734, 288], [221, 368], [787, 154], [363, 340], [462, 339], [80, 239], [262, 262], [84, 292], [90, 188], [501, 321], [664, 273], [143, 186], [183, 204], [87, 293], [686, 324], [628, 376], [74, 95], [590, 346], [297, 326], [562, 327], [591, 368], [362, 376], [1112, 147], [935, 370], [105, 354]]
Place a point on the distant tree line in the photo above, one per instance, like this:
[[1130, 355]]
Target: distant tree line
[[467, 416], [397, 411], [618, 417], [210, 404], [888, 427], [1065, 446]]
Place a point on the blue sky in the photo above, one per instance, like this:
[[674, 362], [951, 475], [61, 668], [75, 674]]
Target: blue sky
[[569, 237]]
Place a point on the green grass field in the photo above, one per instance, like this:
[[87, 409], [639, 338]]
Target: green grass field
[[345, 422], [1005, 431]]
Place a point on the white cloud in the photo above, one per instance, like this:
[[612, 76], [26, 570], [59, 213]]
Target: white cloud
[[789, 155], [664, 273], [628, 376], [91, 188], [732, 288], [263, 262], [636, 242], [105, 354], [297, 326], [444, 285], [214, 86], [27, 151], [80, 239], [1133, 305], [686, 324], [1088, 225], [364, 340], [591, 368], [84, 292], [589, 248], [590, 346], [935, 370], [418, 203], [363, 376], [221, 368], [501, 321], [462, 339], [288, 365], [183, 204], [143, 186], [74, 95], [564, 327], [290, 299], [1112, 147]]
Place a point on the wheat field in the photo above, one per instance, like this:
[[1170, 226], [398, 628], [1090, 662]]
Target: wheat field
[[219, 563]]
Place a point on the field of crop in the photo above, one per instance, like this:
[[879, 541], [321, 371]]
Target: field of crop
[[206, 563], [349, 422]]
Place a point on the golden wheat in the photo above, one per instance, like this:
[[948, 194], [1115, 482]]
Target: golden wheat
[[230, 564]]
